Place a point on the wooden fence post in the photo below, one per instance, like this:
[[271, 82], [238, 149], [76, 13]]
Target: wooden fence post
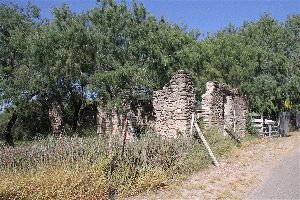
[[206, 145], [192, 123]]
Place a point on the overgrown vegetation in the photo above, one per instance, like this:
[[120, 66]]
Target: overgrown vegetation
[[250, 128], [113, 55], [116, 54], [97, 167]]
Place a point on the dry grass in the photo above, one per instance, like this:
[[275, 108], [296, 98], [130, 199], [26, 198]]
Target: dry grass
[[98, 168], [57, 182]]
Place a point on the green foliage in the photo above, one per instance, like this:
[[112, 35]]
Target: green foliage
[[115, 54], [249, 127], [257, 58]]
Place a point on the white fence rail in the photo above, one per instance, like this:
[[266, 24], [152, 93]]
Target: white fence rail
[[265, 127]]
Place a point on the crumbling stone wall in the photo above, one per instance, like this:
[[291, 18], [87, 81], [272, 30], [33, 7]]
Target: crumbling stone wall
[[221, 106], [173, 105], [109, 121], [224, 107], [114, 122], [55, 116]]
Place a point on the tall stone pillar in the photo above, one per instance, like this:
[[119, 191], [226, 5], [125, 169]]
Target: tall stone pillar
[[55, 116], [174, 106]]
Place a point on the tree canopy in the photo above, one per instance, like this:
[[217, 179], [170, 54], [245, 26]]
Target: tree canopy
[[115, 53]]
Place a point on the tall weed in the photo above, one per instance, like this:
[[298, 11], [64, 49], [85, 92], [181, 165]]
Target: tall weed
[[101, 167]]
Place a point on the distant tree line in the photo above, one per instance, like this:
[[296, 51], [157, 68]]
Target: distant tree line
[[115, 53]]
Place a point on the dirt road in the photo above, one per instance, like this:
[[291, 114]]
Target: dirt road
[[239, 174], [284, 180]]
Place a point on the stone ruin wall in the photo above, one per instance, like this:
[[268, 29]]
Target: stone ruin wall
[[172, 108], [110, 121], [222, 106], [174, 105], [55, 116]]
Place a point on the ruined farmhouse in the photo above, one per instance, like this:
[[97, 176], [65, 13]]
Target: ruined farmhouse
[[172, 108]]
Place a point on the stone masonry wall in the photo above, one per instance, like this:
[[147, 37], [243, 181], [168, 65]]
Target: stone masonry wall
[[55, 116], [223, 106], [110, 121], [174, 105]]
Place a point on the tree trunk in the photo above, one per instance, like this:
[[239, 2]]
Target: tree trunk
[[125, 134], [55, 116], [76, 114], [7, 133], [100, 119]]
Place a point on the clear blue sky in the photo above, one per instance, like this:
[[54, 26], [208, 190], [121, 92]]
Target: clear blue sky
[[204, 15]]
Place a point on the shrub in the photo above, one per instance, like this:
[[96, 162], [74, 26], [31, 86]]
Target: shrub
[[251, 130]]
